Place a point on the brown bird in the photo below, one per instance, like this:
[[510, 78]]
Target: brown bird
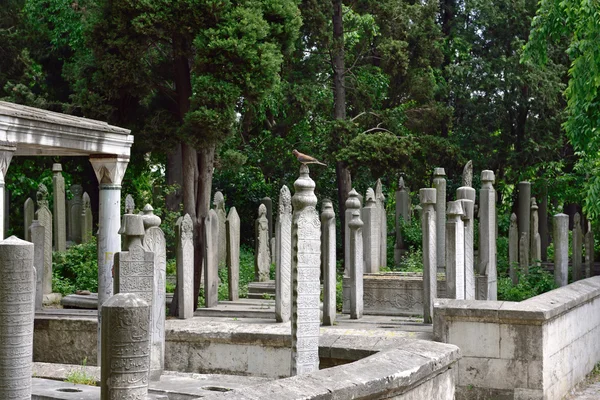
[[306, 159]]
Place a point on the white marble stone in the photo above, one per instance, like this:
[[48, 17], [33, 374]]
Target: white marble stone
[[44, 216], [232, 225], [219, 203], [185, 266], [466, 195], [487, 233], [455, 251], [28, 217], [60, 217], [356, 266], [352, 203], [211, 259], [262, 257], [439, 183], [328, 262], [283, 261], [428, 198], [37, 232], [561, 249]]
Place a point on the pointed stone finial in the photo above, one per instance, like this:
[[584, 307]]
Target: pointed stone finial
[[379, 191], [285, 200], [370, 195], [401, 184], [219, 200], [353, 201], [42, 195], [304, 193], [534, 205], [129, 204], [467, 175]]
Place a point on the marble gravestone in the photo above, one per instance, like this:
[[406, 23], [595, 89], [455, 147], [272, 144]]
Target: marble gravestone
[[466, 195], [455, 251], [283, 260], [268, 203], [86, 219], [262, 257], [380, 200], [371, 231], [232, 226], [356, 266], [129, 204], [28, 216], [352, 203], [402, 216], [185, 266], [524, 208], [44, 215], [219, 203], [439, 183], [589, 251], [428, 198], [561, 249], [211, 259], [577, 238], [328, 262], [37, 233], [513, 249], [60, 228], [75, 213], [487, 234], [535, 251]]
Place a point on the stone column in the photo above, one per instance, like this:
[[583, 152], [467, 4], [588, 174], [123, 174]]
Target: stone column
[[87, 219], [577, 270], [7, 150], [535, 251], [75, 206], [543, 221], [466, 195], [185, 266], [44, 216], [561, 249], [380, 200], [513, 249], [306, 288], [109, 172], [439, 183], [269, 207], [16, 318], [455, 248], [524, 253], [487, 233], [283, 260], [589, 251], [154, 241], [428, 199], [125, 344], [219, 203], [328, 262], [37, 232], [402, 216], [211, 259], [371, 231], [262, 256], [524, 207], [356, 267], [232, 226], [28, 217], [60, 219], [352, 203]]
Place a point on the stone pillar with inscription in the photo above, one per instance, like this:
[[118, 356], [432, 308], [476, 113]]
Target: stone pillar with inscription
[[428, 197], [86, 219], [7, 150], [219, 203], [262, 256], [125, 347], [455, 251], [466, 194], [561, 249], [232, 226], [439, 183], [109, 172], [306, 287], [75, 205], [44, 215], [380, 200], [577, 238], [356, 266], [60, 219], [328, 262], [154, 241], [28, 216], [268, 203], [513, 249], [535, 251], [487, 234], [352, 203], [16, 318], [211, 259], [589, 251], [283, 254], [524, 253], [402, 216], [371, 231], [37, 232], [185, 266]]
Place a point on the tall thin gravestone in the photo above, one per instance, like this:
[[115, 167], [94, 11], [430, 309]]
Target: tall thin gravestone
[[16, 318], [306, 288], [86, 219], [402, 216], [524, 208], [185, 266], [543, 221], [211, 259], [232, 226], [439, 183], [380, 201], [60, 228], [262, 258], [75, 213], [561, 249], [524, 253], [589, 251], [356, 266], [467, 175], [371, 231], [466, 195], [535, 251], [513, 249], [455, 251], [269, 214], [154, 241], [28, 216], [283, 252], [328, 262], [487, 234], [38, 238], [219, 203], [44, 215], [129, 204], [577, 266], [428, 199], [125, 342], [352, 203]]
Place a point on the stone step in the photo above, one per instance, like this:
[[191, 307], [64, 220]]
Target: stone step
[[261, 290]]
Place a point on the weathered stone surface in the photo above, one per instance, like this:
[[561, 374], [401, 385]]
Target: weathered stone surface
[[524, 207], [60, 227], [535, 250], [561, 249], [154, 241], [219, 203], [17, 294], [306, 289], [211, 259], [543, 221], [87, 219], [28, 216], [371, 231], [467, 197], [75, 205], [328, 262], [44, 215], [233, 253], [352, 203], [185, 266], [380, 201], [7, 148], [513, 249], [455, 251], [125, 347], [577, 265], [467, 175], [487, 233], [37, 232], [402, 216], [129, 204], [269, 207], [262, 258], [356, 266], [428, 198], [439, 183], [283, 260], [524, 253], [589, 251]]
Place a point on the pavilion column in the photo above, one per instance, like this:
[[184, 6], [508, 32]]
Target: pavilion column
[[7, 150], [109, 172]]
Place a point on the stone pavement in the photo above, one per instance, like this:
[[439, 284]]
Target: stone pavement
[[587, 392]]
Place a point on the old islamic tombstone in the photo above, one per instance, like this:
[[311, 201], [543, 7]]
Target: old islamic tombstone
[[513, 248], [487, 235], [75, 205], [28, 216], [262, 263], [86, 219], [328, 262], [211, 259], [232, 226], [466, 194], [402, 216], [455, 251], [428, 198], [185, 266], [577, 265], [352, 203], [561, 249], [37, 234], [283, 260], [589, 251], [439, 183], [356, 267], [58, 189], [535, 251], [44, 215], [129, 204], [371, 231], [219, 203], [380, 200]]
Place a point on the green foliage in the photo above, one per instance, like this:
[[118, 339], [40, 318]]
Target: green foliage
[[75, 269], [535, 282], [80, 376], [412, 261]]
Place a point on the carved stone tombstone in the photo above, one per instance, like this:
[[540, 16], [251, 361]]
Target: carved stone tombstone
[[129, 204], [455, 251], [467, 175], [487, 233], [75, 213], [589, 251], [232, 226], [219, 203], [16, 318], [524, 253], [28, 216], [371, 231], [268, 203], [262, 263], [513, 249], [125, 347], [185, 266], [37, 232], [60, 218], [561, 249], [535, 251], [380, 200], [466, 195], [577, 270], [306, 288], [86, 219], [524, 208], [328, 262], [439, 183], [352, 203], [356, 267], [428, 226], [402, 216], [283, 260], [154, 241], [44, 215], [211, 259]]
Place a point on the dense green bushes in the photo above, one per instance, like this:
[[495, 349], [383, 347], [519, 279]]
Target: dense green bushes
[[75, 269]]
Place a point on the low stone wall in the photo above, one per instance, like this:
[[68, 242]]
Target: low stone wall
[[536, 349]]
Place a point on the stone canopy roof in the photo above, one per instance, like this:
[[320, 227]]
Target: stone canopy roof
[[37, 132]]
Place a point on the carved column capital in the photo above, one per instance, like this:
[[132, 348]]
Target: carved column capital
[[7, 149], [109, 169]]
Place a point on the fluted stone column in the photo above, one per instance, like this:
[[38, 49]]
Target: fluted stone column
[[283, 260], [109, 172], [60, 217], [466, 195], [7, 150], [561, 249], [352, 203], [328, 262], [16, 318], [428, 199], [439, 183], [487, 233], [306, 288], [455, 251]]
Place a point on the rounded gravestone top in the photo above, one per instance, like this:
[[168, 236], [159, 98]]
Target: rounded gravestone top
[[304, 187], [218, 199], [454, 208], [401, 183], [56, 167], [513, 218], [15, 241], [355, 222], [353, 202], [125, 300], [428, 195], [487, 176], [150, 220], [577, 219], [370, 194], [262, 210], [439, 172], [285, 200], [133, 225], [466, 192], [327, 212]]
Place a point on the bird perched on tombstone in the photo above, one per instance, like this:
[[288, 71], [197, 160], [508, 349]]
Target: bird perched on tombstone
[[306, 159]]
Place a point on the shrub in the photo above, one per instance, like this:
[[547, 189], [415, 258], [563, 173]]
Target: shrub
[[535, 282], [75, 269]]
